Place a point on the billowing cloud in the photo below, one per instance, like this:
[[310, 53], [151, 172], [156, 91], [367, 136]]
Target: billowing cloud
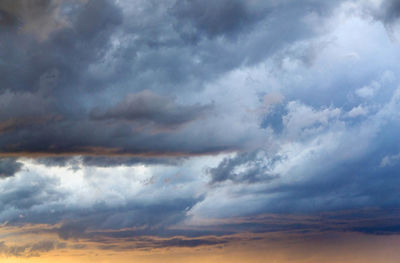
[[150, 125], [95, 49]]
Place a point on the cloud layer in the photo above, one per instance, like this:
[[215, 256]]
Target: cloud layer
[[187, 123]]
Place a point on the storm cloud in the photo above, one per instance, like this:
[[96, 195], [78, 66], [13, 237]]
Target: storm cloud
[[8, 167], [148, 107], [96, 50], [187, 123]]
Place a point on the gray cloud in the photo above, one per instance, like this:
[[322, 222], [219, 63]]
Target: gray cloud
[[30, 193], [28, 199], [144, 243], [142, 59], [248, 167], [390, 11], [216, 18], [39, 18], [103, 83], [117, 161], [106, 161], [147, 107], [31, 249], [8, 167]]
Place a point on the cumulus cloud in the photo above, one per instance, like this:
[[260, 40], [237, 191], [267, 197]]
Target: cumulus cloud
[[302, 120], [357, 111], [368, 92]]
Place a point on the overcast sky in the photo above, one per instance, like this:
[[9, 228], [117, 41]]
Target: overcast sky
[[143, 127]]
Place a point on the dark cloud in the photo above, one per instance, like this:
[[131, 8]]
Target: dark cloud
[[366, 220], [152, 219], [7, 20], [274, 118], [146, 243], [176, 242], [348, 186], [55, 66], [369, 221], [390, 11], [29, 15], [57, 92], [147, 107], [215, 18], [9, 166], [71, 230], [34, 191], [78, 222], [379, 230], [57, 161], [118, 161], [248, 167], [105, 83]]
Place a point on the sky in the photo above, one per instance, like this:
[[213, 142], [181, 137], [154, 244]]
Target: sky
[[199, 131]]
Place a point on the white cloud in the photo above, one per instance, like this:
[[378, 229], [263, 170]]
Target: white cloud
[[367, 92], [389, 160], [357, 111], [302, 119]]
